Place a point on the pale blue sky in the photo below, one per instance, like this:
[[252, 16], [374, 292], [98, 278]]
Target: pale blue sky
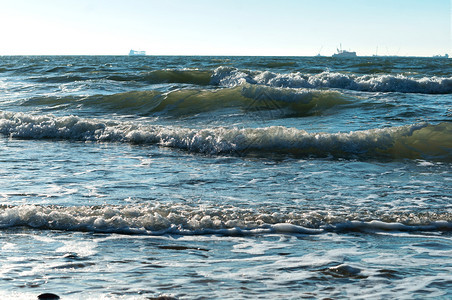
[[229, 27]]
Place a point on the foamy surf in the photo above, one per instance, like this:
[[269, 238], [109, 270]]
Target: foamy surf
[[182, 219], [229, 76], [431, 142]]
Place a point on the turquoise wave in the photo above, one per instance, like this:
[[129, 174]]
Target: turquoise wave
[[183, 102], [416, 141]]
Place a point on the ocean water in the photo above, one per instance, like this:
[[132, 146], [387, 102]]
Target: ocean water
[[225, 177]]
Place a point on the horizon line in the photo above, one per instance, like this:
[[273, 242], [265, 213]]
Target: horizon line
[[236, 55]]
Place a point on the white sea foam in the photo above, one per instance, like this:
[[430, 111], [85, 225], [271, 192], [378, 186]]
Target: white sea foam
[[374, 142], [159, 219], [228, 76]]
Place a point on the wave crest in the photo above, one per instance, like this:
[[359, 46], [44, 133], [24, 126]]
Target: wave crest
[[433, 142], [228, 76]]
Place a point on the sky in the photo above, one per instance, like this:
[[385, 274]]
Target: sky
[[227, 27]]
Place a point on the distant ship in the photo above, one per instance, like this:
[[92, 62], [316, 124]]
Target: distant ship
[[442, 56], [135, 53], [344, 53]]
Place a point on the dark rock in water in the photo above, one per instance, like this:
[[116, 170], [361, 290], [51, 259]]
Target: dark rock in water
[[343, 271], [48, 296], [71, 256], [163, 298]]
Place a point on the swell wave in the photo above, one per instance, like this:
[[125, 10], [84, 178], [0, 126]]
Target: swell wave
[[190, 76], [156, 219], [417, 141], [59, 79], [292, 102]]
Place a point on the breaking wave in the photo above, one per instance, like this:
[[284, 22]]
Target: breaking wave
[[156, 219], [417, 141], [228, 76]]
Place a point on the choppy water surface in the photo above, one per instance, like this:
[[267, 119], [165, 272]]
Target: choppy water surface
[[225, 177]]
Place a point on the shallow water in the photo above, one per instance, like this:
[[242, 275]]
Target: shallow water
[[352, 265], [225, 177]]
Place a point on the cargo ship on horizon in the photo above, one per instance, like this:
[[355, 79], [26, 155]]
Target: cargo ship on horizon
[[344, 53]]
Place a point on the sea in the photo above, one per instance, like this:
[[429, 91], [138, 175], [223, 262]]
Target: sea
[[198, 177]]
